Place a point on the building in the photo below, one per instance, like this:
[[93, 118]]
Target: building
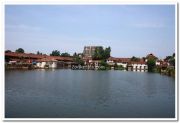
[[159, 62], [47, 63], [119, 61], [22, 57], [89, 50], [128, 64], [40, 61], [55, 62], [94, 63], [137, 66]]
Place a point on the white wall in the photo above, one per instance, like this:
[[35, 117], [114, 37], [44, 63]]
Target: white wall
[[138, 67], [123, 64], [41, 64], [52, 64], [158, 63]]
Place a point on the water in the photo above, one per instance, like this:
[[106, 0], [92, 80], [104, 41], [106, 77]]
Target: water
[[88, 94]]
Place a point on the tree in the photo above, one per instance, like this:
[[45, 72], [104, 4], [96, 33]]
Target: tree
[[173, 54], [39, 53], [107, 52], [135, 59], [78, 60], [55, 53], [19, 50], [103, 63], [65, 54], [144, 58], [115, 66], [101, 54], [172, 61], [75, 54], [8, 51], [151, 64], [168, 58], [98, 54]]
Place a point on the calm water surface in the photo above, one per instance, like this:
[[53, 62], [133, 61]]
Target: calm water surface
[[88, 94]]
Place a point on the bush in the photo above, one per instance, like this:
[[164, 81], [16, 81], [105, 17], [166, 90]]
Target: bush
[[118, 67]]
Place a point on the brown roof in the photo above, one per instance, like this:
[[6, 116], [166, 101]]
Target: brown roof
[[30, 55], [60, 58], [87, 58], [26, 55], [119, 59], [46, 59]]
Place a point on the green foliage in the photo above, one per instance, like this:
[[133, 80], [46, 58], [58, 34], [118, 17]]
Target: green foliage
[[98, 54], [157, 69], [135, 59], [55, 53], [78, 60], [65, 54], [173, 55], [107, 52], [118, 67], [115, 66], [144, 58], [171, 59], [168, 58], [103, 65], [102, 68], [19, 50], [75, 54], [151, 64], [101, 54]]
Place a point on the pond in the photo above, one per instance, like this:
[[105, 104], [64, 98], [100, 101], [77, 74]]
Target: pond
[[64, 93]]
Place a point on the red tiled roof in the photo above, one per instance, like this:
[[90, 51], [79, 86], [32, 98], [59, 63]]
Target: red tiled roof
[[87, 58], [30, 55], [60, 58], [46, 59], [26, 55], [119, 59]]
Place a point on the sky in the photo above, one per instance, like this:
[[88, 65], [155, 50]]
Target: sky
[[130, 30]]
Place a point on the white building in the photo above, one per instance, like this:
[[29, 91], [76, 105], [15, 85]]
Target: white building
[[47, 63], [138, 66], [158, 62], [124, 64], [119, 61], [95, 63]]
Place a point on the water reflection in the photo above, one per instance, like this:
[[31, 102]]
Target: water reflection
[[150, 84], [93, 89]]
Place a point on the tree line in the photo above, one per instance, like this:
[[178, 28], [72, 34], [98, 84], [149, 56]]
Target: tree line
[[53, 53]]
